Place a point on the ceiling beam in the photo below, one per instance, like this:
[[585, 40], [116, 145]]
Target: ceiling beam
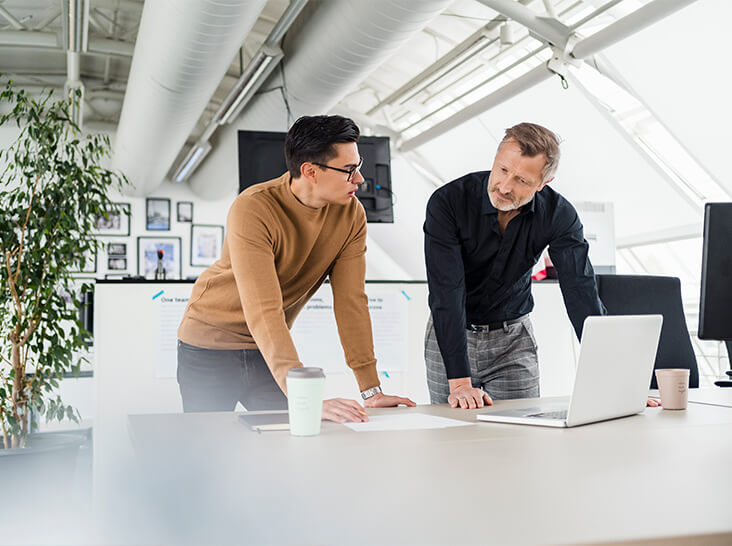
[[627, 26], [545, 29], [12, 20]]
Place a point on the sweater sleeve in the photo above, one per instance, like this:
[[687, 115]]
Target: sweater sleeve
[[251, 246], [351, 308]]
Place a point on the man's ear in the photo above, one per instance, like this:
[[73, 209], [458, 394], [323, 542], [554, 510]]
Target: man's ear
[[307, 171], [541, 187]]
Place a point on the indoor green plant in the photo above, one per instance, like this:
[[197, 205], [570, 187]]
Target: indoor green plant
[[52, 188]]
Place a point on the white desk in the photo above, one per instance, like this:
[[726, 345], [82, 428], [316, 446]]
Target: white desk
[[206, 478]]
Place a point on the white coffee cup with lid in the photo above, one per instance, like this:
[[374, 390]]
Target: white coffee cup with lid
[[305, 388]]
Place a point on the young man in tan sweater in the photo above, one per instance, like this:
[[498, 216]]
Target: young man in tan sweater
[[283, 239]]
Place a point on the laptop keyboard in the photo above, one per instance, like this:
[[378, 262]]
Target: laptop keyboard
[[561, 414]]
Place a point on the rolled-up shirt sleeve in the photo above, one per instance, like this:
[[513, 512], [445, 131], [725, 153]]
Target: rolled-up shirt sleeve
[[446, 281], [569, 253]]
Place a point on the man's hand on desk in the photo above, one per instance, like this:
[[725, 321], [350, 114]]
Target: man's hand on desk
[[653, 403], [465, 396], [343, 410], [381, 400]]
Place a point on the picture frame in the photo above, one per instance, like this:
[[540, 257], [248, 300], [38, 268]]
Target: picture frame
[[157, 214], [206, 244], [116, 275], [147, 258], [90, 263], [185, 211], [117, 263], [116, 223], [116, 249]]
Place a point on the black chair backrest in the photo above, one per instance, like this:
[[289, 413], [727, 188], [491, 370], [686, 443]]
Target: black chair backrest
[[645, 295]]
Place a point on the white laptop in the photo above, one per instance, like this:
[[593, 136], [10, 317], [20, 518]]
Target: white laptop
[[612, 380]]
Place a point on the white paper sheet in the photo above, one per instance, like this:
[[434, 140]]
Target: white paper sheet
[[407, 421]]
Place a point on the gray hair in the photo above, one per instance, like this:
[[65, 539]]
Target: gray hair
[[533, 140]]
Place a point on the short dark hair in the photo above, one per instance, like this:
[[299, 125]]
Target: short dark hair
[[311, 138], [533, 140]]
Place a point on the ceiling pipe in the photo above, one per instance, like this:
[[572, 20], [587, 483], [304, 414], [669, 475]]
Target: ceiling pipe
[[630, 24], [550, 11], [76, 33], [264, 61], [183, 51], [49, 40], [328, 52]]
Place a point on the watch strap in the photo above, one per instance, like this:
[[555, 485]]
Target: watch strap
[[368, 393]]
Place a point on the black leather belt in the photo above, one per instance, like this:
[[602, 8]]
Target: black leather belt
[[499, 325]]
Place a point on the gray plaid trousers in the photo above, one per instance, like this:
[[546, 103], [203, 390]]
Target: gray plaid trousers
[[503, 362]]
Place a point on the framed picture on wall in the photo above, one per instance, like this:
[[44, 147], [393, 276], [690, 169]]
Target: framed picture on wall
[[115, 263], [117, 249], [185, 211], [114, 223], [147, 256], [116, 275], [157, 214], [206, 243]]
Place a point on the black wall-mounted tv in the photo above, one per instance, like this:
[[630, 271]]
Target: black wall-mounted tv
[[262, 158]]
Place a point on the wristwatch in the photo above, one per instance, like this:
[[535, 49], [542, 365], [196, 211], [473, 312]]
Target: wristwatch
[[368, 393]]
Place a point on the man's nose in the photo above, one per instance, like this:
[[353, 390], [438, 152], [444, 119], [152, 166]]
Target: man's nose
[[357, 178], [505, 186]]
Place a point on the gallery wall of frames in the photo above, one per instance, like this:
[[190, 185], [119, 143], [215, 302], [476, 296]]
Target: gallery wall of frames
[[171, 236]]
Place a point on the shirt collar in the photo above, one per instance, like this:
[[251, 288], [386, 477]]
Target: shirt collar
[[488, 207]]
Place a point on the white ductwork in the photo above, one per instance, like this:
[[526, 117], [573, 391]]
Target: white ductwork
[[340, 43], [183, 50]]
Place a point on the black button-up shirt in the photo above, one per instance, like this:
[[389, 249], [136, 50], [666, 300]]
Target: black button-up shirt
[[478, 276]]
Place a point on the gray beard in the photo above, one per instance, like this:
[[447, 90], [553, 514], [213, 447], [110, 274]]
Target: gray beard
[[507, 208]]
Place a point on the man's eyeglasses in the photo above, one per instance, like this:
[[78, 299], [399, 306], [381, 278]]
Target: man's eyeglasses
[[349, 172]]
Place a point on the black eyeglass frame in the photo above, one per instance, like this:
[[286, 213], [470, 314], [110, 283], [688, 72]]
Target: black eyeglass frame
[[349, 172]]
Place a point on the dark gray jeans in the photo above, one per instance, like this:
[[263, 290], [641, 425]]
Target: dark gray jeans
[[503, 362], [215, 380]]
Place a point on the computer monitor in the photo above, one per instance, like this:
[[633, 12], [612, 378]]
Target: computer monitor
[[715, 306], [262, 158]]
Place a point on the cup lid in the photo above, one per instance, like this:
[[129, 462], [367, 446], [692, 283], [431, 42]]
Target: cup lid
[[305, 372], [674, 371]]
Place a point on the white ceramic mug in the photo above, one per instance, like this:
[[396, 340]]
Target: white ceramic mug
[[305, 400], [673, 386]]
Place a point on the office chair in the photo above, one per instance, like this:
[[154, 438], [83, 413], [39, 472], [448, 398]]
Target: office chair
[[643, 295], [727, 382]]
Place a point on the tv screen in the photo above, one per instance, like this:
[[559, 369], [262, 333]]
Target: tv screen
[[715, 306], [262, 158]]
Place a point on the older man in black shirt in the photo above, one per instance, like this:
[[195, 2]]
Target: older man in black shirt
[[483, 234]]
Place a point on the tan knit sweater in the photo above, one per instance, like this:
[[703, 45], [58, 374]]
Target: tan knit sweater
[[276, 254]]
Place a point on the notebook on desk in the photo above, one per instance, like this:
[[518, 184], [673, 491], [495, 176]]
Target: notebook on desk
[[266, 421], [614, 370]]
